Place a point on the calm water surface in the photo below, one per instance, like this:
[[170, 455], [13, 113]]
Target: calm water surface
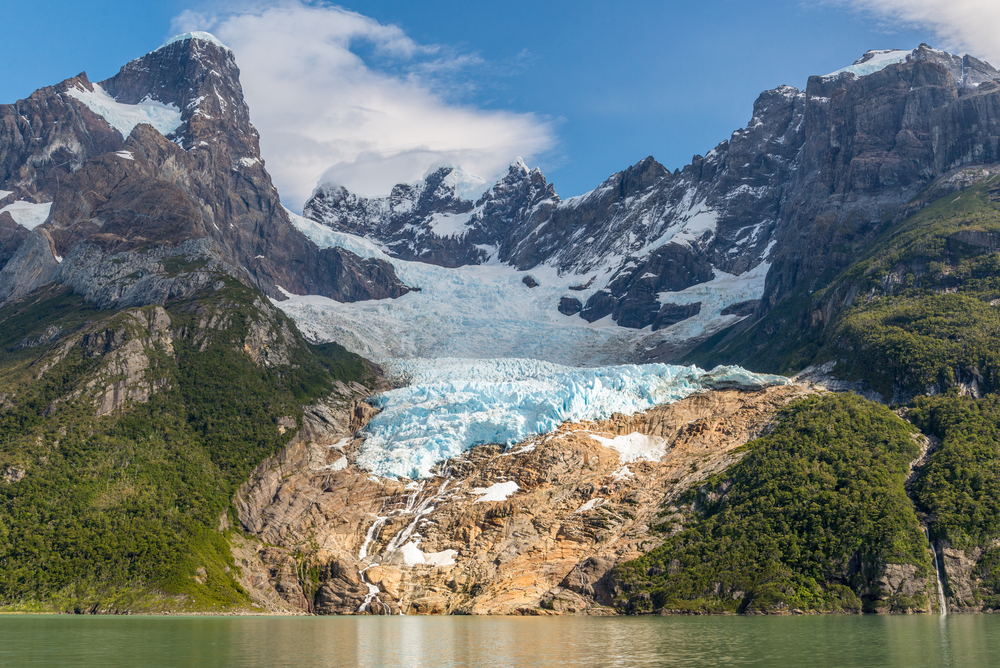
[[370, 642]]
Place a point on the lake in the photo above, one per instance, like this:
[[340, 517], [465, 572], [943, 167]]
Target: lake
[[370, 642]]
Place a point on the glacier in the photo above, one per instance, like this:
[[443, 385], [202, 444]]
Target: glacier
[[486, 311], [449, 405]]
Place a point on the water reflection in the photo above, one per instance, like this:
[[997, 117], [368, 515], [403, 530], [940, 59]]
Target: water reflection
[[371, 642]]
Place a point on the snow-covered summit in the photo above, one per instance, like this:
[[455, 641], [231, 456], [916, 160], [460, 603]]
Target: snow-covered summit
[[872, 62], [518, 165], [199, 35]]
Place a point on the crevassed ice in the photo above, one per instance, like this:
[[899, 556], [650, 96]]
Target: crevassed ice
[[166, 118], [451, 405]]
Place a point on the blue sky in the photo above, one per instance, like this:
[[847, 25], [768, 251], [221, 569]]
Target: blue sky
[[584, 89]]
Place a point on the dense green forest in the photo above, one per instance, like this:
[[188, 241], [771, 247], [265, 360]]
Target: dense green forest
[[810, 518], [119, 512], [960, 487]]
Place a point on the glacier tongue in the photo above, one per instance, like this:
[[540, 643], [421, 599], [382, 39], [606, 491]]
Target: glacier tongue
[[451, 405]]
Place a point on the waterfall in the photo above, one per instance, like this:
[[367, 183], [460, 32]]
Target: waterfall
[[942, 603]]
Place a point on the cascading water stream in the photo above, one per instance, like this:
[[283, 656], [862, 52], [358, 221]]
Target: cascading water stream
[[425, 507], [370, 536], [942, 602]]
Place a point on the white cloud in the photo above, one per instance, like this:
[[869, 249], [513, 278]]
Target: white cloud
[[963, 25], [323, 111]]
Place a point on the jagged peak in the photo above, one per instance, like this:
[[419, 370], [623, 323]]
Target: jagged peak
[[196, 35], [518, 166], [465, 185]]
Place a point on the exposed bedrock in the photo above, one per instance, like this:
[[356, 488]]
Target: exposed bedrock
[[530, 530]]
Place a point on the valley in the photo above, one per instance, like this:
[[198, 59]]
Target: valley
[[700, 391]]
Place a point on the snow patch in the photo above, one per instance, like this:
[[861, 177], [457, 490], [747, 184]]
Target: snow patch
[[496, 492], [338, 465], [28, 214], [635, 446], [876, 61], [590, 505], [450, 224], [722, 291], [166, 118], [412, 556], [622, 473], [126, 155]]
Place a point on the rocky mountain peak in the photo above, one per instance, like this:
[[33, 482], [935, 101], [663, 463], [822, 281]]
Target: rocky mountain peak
[[198, 76], [967, 71], [157, 170]]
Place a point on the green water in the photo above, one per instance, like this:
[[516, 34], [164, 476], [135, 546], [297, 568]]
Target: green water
[[369, 642]]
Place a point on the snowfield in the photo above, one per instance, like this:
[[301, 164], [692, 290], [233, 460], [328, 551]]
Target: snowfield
[[450, 405], [879, 61]]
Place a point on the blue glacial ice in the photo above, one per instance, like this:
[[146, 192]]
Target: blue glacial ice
[[450, 405]]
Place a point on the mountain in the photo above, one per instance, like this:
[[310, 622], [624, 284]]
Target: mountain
[[145, 372], [811, 180], [157, 168]]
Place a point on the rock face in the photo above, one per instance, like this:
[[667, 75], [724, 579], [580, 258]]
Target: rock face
[[166, 182], [796, 193], [531, 530]]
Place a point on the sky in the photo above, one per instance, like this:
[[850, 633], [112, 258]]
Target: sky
[[370, 93]]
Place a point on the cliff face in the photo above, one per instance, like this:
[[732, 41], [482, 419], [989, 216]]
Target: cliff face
[[154, 169], [533, 530]]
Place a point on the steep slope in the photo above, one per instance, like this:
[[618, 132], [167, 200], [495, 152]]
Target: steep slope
[[814, 518], [124, 434], [810, 181], [158, 166]]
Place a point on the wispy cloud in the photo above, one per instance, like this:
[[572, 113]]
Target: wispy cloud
[[962, 25], [340, 97]]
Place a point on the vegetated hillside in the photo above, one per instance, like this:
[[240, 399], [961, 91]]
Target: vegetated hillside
[[125, 433], [960, 489], [815, 517], [915, 313]]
